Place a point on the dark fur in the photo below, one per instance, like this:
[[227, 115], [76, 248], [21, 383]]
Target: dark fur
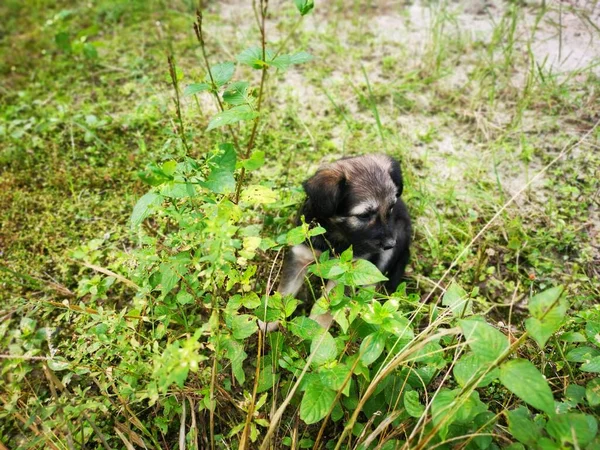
[[338, 188]]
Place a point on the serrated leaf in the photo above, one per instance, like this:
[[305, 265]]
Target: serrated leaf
[[363, 273], [573, 428], [195, 88], [470, 367], [413, 405], [524, 380], [231, 116], [483, 339], [143, 207], [371, 347], [221, 73], [236, 93], [257, 194], [324, 348], [304, 6], [304, 328], [458, 301], [593, 365], [316, 402]]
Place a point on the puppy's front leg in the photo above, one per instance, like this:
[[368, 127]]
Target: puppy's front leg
[[294, 270]]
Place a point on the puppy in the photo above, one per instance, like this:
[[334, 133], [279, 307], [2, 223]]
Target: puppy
[[357, 201]]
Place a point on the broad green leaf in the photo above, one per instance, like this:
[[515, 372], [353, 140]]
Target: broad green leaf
[[575, 394], [441, 407], [63, 41], [155, 175], [363, 272], [412, 404], [242, 326], [470, 367], [458, 301], [524, 380], [592, 332], [231, 116], [90, 51], [522, 427], [184, 298], [143, 207], [316, 402], [300, 57], [334, 378], [372, 346], [226, 159], [221, 73], [483, 339], [257, 194], [485, 423], [573, 428], [304, 6], [220, 179], [592, 392], [168, 278], [58, 365], [582, 354], [593, 365], [541, 304], [234, 351], [295, 236], [304, 328], [253, 57], [398, 325], [169, 167], [236, 93], [548, 315], [256, 160], [324, 348], [220, 182], [195, 88]]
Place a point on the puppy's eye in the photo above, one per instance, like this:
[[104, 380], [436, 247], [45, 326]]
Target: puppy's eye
[[365, 216]]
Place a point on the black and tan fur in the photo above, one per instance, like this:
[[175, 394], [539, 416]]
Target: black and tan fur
[[357, 200]]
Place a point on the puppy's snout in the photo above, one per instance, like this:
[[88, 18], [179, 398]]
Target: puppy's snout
[[389, 243]]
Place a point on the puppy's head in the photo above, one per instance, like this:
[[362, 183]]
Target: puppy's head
[[354, 200]]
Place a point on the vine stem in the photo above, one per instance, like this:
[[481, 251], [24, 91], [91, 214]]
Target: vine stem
[[175, 83], [200, 36], [264, 4]]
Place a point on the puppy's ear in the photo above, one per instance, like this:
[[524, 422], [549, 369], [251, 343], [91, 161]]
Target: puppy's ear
[[324, 191], [396, 174]]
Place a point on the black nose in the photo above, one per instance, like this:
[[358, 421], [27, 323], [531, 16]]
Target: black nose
[[389, 243]]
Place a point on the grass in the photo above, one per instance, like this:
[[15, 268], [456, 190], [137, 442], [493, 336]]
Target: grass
[[466, 101]]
